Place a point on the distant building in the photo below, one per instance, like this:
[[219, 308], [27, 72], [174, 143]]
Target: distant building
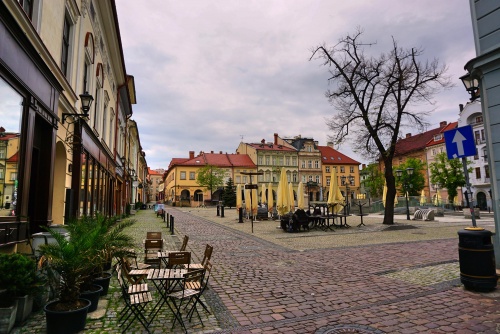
[[480, 180]]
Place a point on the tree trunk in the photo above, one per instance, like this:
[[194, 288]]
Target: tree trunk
[[391, 193]]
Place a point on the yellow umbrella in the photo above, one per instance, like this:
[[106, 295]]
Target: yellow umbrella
[[247, 201], [334, 195], [437, 199], [292, 199], [263, 194], [270, 201], [255, 202], [385, 194], [423, 199], [456, 202], [238, 197], [283, 204], [300, 195]]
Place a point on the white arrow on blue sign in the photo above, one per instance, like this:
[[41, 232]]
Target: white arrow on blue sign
[[460, 142]]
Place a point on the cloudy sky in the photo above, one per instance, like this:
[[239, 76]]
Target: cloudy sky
[[210, 74]]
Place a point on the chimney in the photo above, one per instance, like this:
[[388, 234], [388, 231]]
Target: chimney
[[461, 107], [408, 135], [275, 139], [220, 152], [329, 144], [212, 152], [363, 166], [443, 123], [191, 154]]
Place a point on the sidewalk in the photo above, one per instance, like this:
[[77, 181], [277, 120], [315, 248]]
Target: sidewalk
[[372, 279]]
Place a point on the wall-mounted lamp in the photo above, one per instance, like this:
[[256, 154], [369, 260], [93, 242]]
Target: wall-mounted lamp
[[86, 101], [471, 85], [70, 168]]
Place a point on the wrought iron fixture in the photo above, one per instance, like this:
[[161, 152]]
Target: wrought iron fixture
[[471, 85], [86, 101]]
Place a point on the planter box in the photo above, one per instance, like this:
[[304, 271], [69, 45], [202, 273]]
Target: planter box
[[7, 318], [24, 308]]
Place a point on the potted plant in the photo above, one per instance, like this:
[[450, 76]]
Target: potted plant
[[70, 260], [109, 240], [20, 281]]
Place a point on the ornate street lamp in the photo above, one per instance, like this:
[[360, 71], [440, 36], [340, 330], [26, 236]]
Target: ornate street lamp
[[86, 101], [471, 85], [406, 187], [350, 180]]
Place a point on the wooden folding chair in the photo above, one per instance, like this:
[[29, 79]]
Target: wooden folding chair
[[151, 249], [206, 257], [203, 286], [153, 235], [179, 260], [135, 304], [184, 294]]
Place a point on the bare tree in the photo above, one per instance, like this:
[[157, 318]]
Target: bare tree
[[375, 97]]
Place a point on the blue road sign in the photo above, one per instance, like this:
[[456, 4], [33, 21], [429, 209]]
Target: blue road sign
[[460, 142]]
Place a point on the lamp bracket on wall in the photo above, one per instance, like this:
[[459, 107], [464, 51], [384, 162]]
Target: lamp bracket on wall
[[86, 101]]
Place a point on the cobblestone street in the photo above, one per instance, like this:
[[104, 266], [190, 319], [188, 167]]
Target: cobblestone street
[[371, 279]]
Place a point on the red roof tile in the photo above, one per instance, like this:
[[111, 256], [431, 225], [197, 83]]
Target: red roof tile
[[416, 142], [215, 159], [433, 142], [330, 156], [14, 158]]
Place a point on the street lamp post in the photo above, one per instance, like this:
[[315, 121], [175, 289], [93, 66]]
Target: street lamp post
[[406, 187], [350, 180]]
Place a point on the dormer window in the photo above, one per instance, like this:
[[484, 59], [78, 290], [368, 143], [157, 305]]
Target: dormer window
[[437, 137]]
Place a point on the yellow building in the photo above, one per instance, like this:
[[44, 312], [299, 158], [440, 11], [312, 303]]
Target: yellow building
[[181, 187]]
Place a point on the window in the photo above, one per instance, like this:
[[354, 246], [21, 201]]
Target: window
[[351, 169], [303, 179], [303, 164], [433, 151], [27, 6], [268, 159], [281, 161], [486, 172], [1, 173], [316, 164], [294, 177], [274, 161], [309, 164], [244, 179], [192, 175], [318, 181], [328, 181], [309, 148], [294, 161], [111, 129], [479, 119], [183, 175], [310, 178], [342, 170], [478, 172], [65, 46], [2, 153], [13, 176], [327, 169], [287, 161], [238, 179], [260, 160]]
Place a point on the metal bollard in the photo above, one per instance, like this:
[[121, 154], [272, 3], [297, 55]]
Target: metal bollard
[[168, 220], [218, 210], [172, 225], [240, 215], [222, 211]]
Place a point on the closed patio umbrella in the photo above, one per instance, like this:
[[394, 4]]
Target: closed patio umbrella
[[255, 202], [263, 199], [423, 199], [270, 200], [238, 197], [300, 195], [248, 201], [334, 195], [384, 194], [283, 204], [292, 199], [437, 199]]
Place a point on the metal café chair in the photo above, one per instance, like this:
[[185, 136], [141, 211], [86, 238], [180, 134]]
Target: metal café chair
[[151, 249], [206, 257], [203, 286]]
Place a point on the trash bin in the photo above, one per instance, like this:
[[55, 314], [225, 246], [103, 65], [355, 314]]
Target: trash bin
[[477, 259]]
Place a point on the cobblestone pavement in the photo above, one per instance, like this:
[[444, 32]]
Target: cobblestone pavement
[[371, 279]]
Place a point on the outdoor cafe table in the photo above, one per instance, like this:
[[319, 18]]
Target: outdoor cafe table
[[164, 280]]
